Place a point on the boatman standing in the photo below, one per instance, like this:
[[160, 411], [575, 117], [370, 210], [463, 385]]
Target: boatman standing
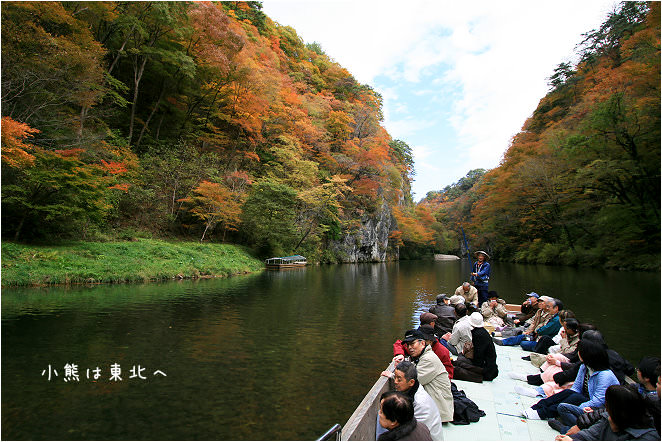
[[480, 275]]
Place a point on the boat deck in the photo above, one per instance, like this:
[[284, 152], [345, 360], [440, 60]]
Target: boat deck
[[501, 404]]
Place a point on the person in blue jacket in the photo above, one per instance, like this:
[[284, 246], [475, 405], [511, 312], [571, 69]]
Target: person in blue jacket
[[627, 418], [480, 275], [550, 329], [587, 392]]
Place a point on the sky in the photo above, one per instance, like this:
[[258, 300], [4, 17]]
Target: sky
[[458, 79]]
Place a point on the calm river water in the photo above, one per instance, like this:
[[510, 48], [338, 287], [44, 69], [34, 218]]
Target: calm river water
[[276, 355]]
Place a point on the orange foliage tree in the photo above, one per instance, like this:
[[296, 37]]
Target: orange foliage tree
[[215, 204], [15, 149], [582, 178]]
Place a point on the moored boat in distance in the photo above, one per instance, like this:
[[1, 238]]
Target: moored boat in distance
[[440, 257], [285, 262]]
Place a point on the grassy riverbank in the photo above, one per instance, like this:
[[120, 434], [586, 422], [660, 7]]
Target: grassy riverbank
[[114, 262]]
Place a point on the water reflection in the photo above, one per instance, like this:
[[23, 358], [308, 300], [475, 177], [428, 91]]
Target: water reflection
[[246, 357]]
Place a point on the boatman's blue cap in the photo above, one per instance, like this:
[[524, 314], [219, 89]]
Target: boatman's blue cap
[[534, 294]]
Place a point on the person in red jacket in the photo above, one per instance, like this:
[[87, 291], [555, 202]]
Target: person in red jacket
[[400, 351]]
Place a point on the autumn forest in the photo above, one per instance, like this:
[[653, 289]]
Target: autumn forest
[[209, 121]]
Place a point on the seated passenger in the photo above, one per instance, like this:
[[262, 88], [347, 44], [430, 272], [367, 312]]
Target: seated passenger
[[588, 390], [461, 330], [547, 344], [652, 404], [494, 310], [440, 350], [481, 365], [468, 292], [528, 309], [400, 350], [431, 372], [551, 364], [539, 319], [551, 327], [405, 378], [627, 418], [445, 315], [396, 414], [647, 374], [455, 300]]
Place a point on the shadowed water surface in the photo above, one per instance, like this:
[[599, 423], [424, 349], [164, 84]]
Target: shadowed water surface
[[272, 356]]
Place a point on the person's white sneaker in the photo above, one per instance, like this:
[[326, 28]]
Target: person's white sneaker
[[517, 375], [526, 391], [530, 413]]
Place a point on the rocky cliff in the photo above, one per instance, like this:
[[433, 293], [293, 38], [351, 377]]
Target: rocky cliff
[[370, 242]]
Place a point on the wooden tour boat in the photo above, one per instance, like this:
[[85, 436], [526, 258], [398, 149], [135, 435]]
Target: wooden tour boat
[[502, 405], [286, 262]]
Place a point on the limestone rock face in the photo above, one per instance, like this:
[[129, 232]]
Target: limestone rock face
[[370, 243]]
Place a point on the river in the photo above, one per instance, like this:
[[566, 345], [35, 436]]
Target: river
[[270, 356]]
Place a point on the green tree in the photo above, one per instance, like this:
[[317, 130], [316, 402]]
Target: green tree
[[402, 153], [168, 174], [269, 216], [51, 69], [56, 194], [607, 39]]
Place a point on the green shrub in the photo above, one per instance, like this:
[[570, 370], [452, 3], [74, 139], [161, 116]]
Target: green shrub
[[549, 254]]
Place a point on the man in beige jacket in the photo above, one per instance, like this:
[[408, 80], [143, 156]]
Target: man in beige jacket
[[432, 374], [469, 293], [494, 310]]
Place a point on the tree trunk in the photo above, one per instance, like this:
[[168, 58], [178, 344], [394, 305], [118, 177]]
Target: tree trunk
[[86, 108], [174, 195], [158, 127], [119, 52], [156, 106], [83, 115], [137, 76], [204, 233], [20, 226]]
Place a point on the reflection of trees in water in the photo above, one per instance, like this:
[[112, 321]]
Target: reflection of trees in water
[[269, 344]]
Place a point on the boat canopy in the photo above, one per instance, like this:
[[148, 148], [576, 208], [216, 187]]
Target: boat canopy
[[287, 260]]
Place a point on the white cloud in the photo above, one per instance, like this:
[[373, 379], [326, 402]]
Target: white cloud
[[421, 152], [404, 127], [424, 92], [400, 108], [483, 62], [502, 84]]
